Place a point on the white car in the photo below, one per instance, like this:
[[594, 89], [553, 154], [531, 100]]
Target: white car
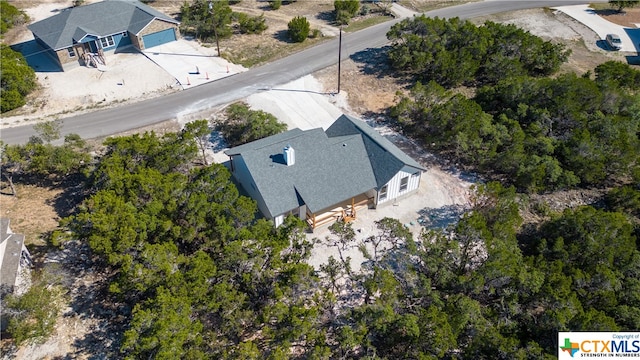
[[614, 41]]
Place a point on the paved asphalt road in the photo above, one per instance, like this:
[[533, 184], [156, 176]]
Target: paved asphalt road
[[127, 117]]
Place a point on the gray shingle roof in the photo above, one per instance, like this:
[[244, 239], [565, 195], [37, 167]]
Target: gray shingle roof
[[386, 159], [99, 19], [350, 158]]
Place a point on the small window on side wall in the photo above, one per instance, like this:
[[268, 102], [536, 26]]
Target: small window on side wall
[[404, 183], [72, 52], [382, 195]]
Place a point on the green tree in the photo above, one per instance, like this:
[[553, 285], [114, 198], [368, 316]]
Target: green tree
[[618, 74], [621, 4], [32, 315], [36, 159], [244, 125], [206, 22], [10, 16], [17, 79], [299, 28], [345, 10], [350, 6], [200, 132], [48, 131], [624, 199], [163, 328]]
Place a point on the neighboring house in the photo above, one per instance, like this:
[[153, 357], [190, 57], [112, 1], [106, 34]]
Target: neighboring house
[[81, 35], [15, 261], [323, 176]]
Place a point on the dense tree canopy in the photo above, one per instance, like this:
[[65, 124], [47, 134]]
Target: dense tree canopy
[[618, 74], [17, 79], [186, 251], [453, 52], [483, 289], [44, 161], [540, 134]]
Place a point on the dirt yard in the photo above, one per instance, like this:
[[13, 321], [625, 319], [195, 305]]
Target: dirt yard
[[365, 94]]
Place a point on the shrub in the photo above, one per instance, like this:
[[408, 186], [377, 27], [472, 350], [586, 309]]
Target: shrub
[[299, 28], [351, 7], [275, 4], [32, 316], [315, 33], [251, 24]]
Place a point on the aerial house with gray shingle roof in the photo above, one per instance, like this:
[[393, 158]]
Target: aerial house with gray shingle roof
[[81, 35], [323, 176]]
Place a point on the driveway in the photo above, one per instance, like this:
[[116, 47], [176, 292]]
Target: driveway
[[191, 64], [630, 37]]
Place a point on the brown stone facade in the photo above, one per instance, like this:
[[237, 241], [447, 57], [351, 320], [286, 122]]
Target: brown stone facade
[[63, 54], [67, 62], [154, 27]]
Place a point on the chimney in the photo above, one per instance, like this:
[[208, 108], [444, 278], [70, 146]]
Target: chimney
[[289, 155]]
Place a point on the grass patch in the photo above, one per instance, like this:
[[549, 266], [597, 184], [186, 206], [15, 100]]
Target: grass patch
[[420, 6], [250, 56], [601, 6], [367, 22], [32, 212]]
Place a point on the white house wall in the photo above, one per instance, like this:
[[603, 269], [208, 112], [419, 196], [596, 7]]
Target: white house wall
[[243, 176], [393, 186]]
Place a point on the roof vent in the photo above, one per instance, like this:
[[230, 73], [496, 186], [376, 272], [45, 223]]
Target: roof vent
[[289, 155]]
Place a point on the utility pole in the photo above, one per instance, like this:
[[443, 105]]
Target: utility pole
[[215, 30], [339, 57]]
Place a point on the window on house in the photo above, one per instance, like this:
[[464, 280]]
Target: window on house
[[404, 183], [382, 195], [107, 41], [72, 52]]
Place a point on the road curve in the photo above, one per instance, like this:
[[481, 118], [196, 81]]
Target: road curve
[[131, 116]]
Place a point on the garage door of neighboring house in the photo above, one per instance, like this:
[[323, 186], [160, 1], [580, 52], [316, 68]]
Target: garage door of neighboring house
[[159, 38]]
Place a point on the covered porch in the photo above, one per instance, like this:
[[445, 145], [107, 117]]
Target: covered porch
[[346, 211]]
